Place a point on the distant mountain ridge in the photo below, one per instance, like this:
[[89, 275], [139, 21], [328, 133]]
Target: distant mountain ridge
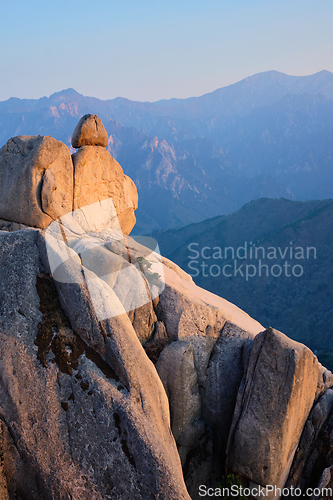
[[299, 305], [261, 89], [269, 135]]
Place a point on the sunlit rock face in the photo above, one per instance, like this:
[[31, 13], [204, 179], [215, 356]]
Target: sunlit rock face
[[89, 131], [36, 180], [40, 182], [86, 311], [97, 177], [277, 394]]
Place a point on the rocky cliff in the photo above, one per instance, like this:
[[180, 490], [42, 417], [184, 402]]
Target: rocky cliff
[[119, 377]]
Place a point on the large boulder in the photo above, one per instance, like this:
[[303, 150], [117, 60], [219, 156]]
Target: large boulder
[[182, 367], [89, 131], [83, 411], [98, 176], [39, 183], [273, 404], [36, 180]]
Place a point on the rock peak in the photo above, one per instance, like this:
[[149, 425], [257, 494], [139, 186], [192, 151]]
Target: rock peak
[[89, 131], [49, 183]]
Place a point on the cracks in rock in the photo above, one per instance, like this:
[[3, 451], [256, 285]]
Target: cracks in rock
[[197, 455], [73, 197], [213, 351], [39, 189], [56, 335], [64, 405], [96, 124], [54, 330], [19, 150], [123, 441], [142, 401], [8, 463], [153, 347]]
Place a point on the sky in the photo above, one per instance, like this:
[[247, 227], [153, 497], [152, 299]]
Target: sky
[[151, 50]]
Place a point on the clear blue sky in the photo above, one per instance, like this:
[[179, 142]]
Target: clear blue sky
[[149, 50]]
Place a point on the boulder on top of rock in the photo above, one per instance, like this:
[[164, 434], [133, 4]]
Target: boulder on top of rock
[[36, 180], [89, 131], [40, 182]]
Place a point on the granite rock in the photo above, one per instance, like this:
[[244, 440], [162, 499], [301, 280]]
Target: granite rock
[[89, 131]]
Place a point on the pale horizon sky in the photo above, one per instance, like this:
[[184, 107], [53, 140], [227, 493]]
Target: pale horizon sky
[[154, 50]]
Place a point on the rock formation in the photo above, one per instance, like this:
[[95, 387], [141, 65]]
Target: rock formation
[[85, 313], [36, 180], [89, 131], [39, 182], [273, 403]]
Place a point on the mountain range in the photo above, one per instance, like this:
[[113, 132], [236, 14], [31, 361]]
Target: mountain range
[[269, 135], [298, 300]]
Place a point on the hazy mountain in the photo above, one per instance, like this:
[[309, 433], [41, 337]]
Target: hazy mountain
[[301, 306], [193, 117], [291, 139], [254, 91], [268, 135], [182, 183]]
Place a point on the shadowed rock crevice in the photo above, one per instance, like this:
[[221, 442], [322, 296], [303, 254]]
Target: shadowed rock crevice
[[39, 188], [321, 454], [15, 483], [55, 334], [124, 444], [157, 342]]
